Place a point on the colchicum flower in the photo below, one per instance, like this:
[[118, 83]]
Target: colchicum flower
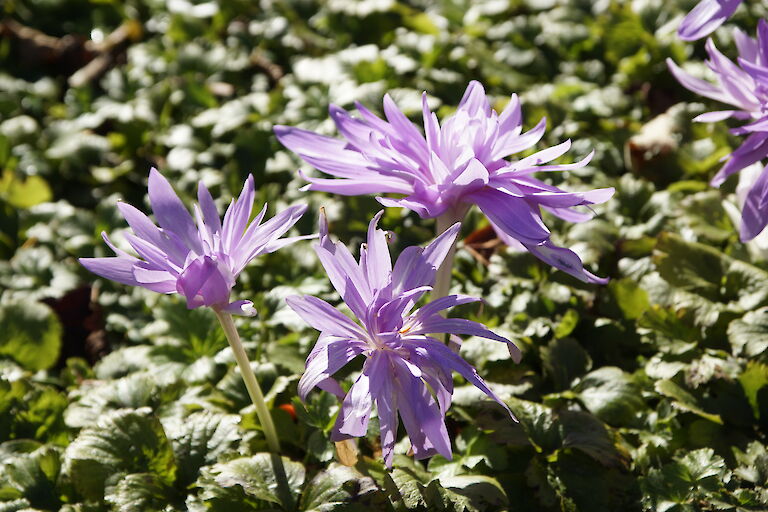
[[745, 86], [406, 371], [454, 166], [199, 261], [705, 18]]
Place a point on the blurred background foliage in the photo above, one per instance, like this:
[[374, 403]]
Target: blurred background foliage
[[650, 393]]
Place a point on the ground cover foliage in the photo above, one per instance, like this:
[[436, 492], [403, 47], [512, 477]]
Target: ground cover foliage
[[650, 393]]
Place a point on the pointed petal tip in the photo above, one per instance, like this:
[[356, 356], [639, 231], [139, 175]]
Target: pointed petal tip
[[454, 229], [336, 111], [241, 308], [154, 176], [114, 268], [322, 224], [376, 218]]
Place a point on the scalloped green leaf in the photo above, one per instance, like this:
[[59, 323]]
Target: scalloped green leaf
[[30, 334], [611, 395], [683, 400], [250, 479], [201, 439], [122, 442]]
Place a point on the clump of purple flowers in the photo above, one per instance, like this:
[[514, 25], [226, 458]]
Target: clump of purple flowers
[[744, 86], [705, 18], [407, 372], [201, 258], [449, 167]]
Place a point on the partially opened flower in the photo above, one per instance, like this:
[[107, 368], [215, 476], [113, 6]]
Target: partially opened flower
[[745, 87], [198, 258], [406, 372], [705, 18], [449, 168]]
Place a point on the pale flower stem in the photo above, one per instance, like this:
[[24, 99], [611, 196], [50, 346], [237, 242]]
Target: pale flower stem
[[257, 397], [251, 384], [443, 279], [442, 284]]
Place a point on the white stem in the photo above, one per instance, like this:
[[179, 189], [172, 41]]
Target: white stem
[[251, 384], [443, 279], [262, 412]]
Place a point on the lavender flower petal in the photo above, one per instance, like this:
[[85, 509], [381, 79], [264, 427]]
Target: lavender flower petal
[[446, 169], [324, 317], [114, 269], [200, 262], [755, 211], [402, 371], [705, 18], [355, 409], [170, 211]]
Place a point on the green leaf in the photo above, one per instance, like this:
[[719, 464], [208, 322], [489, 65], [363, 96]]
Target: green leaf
[[749, 334], [567, 324], [138, 491], [122, 442], [145, 389], [30, 334], [667, 486], [31, 410], [611, 395], [564, 360], [483, 492], [287, 354], [693, 267], [698, 476], [195, 331], [753, 464], [586, 433], [684, 400], [539, 423], [630, 297], [201, 439], [582, 483], [334, 486], [408, 486], [318, 411], [254, 477], [16, 505], [477, 447], [319, 446], [704, 465], [705, 271], [754, 381], [82, 507], [24, 193], [34, 475]]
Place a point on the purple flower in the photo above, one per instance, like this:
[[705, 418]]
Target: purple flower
[[454, 166], [755, 211], [705, 18], [406, 370], [199, 261], [745, 86]]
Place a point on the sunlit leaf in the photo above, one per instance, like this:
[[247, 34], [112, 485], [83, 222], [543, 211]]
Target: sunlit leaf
[[30, 334]]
